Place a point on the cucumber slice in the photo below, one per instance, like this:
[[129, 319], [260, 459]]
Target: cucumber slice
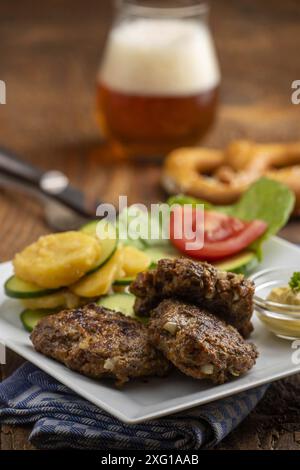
[[19, 289], [243, 263], [138, 244], [125, 281], [109, 239], [120, 302], [90, 228], [158, 252], [30, 318], [126, 217], [61, 299]]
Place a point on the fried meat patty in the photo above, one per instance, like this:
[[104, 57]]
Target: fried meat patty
[[98, 342], [198, 343], [228, 295]]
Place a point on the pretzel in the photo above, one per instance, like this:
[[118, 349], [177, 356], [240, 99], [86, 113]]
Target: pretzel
[[186, 171], [221, 177]]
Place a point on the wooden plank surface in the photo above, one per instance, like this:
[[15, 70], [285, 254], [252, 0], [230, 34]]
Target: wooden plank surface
[[50, 52]]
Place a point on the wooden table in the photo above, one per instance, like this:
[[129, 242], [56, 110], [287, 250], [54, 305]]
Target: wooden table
[[50, 52]]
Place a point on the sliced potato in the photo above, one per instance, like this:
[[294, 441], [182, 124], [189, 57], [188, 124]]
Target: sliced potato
[[58, 259], [99, 282], [63, 299], [135, 261]]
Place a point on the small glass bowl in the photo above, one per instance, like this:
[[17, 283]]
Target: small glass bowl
[[282, 319]]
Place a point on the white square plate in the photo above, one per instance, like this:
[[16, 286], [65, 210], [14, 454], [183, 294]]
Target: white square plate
[[139, 401]]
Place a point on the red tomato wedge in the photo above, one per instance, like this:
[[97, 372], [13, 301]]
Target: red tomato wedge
[[223, 235]]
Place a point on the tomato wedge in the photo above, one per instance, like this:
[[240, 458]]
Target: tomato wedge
[[223, 235]]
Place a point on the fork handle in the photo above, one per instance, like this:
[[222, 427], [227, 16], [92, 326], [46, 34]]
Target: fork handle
[[51, 184]]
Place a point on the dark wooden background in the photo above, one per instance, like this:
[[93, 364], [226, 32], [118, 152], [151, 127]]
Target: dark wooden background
[[49, 54]]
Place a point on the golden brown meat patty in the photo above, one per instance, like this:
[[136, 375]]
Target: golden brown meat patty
[[227, 295], [198, 343], [98, 342]]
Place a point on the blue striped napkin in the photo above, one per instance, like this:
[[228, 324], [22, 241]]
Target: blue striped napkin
[[64, 420]]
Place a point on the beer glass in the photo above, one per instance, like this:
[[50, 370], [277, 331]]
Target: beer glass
[[158, 82]]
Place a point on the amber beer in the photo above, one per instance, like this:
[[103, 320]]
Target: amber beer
[[158, 85]]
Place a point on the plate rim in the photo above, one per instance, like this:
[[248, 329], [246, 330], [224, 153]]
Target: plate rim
[[139, 416], [134, 419]]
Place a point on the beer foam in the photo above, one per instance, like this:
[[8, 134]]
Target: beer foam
[[160, 57]]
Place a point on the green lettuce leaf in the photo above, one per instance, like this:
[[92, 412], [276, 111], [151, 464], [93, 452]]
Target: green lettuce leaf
[[267, 200]]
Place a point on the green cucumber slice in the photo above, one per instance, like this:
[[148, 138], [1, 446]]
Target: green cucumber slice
[[242, 263], [109, 241], [119, 302], [139, 244], [30, 318], [125, 281], [19, 289], [90, 228], [127, 216], [122, 302], [158, 252]]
